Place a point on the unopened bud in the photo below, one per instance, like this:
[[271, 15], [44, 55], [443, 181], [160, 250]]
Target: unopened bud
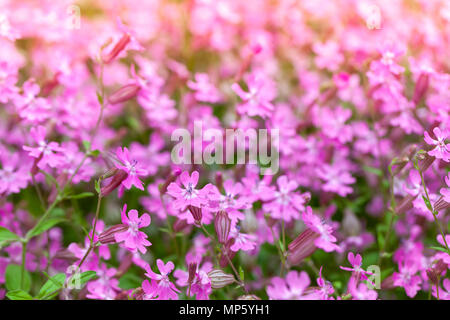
[[441, 204], [302, 246], [116, 180], [249, 297], [405, 204], [227, 253], [351, 224], [196, 213], [125, 93], [421, 87], [118, 47], [180, 225], [172, 177], [220, 279], [192, 269], [108, 236], [222, 224]]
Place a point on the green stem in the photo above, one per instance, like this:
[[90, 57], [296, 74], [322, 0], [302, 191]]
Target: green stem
[[22, 271], [91, 243], [433, 212]]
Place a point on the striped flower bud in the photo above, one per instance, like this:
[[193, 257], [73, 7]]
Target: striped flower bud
[[249, 297], [117, 178], [227, 253], [421, 87], [108, 236], [405, 204], [220, 279], [196, 213], [118, 48], [222, 224], [172, 177], [441, 204], [125, 93], [302, 246], [192, 270]]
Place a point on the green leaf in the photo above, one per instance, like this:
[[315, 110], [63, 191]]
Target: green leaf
[[81, 195], [87, 145], [373, 170], [241, 273], [6, 235], [95, 153], [44, 226], [427, 202], [129, 281], [13, 276], [164, 230], [100, 98], [439, 249], [77, 280], [18, 295], [97, 186], [53, 284], [281, 245]]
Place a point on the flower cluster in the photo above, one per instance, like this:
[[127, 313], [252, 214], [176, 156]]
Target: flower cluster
[[90, 107]]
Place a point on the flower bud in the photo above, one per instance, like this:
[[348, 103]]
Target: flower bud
[[219, 180], [116, 180], [66, 255], [192, 270], [351, 224], [249, 297], [426, 162], [405, 204], [302, 246], [196, 214], [108, 236], [441, 204], [118, 47], [180, 225], [220, 279], [227, 253], [125, 93], [172, 177], [421, 87], [222, 224]]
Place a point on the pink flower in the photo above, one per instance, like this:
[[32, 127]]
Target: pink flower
[[204, 90], [444, 293], [286, 203], [48, 153], [133, 238], [356, 262], [293, 287], [325, 289], [445, 192], [201, 284], [407, 278], [326, 240], [188, 195], [362, 292], [131, 168], [14, 175], [258, 101], [244, 242], [163, 289], [442, 150], [336, 179]]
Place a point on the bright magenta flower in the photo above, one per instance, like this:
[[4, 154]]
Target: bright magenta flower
[[131, 167], [162, 288], [442, 149], [133, 238]]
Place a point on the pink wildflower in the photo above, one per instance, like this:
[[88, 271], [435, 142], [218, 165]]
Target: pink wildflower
[[133, 238]]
